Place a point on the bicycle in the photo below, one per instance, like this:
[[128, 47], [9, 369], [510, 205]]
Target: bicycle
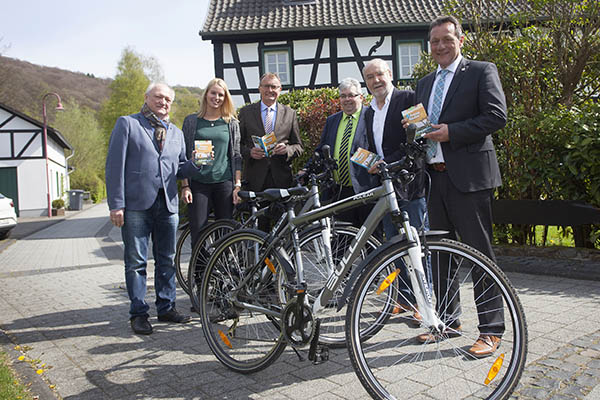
[[249, 316], [337, 235]]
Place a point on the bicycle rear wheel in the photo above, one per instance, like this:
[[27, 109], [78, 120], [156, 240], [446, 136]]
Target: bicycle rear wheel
[[393, 364], [245, 338], [201, 253], [183, 253]]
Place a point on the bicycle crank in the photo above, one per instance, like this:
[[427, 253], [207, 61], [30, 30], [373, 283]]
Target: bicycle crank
[[297, 323]]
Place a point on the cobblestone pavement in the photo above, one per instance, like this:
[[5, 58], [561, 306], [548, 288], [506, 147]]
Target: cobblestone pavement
[[64, 303]]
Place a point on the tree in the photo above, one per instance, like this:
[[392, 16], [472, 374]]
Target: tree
[[83, 132], [185, 103], [127, 91], [548, 58]]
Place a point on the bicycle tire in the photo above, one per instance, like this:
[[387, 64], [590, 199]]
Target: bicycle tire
[[183, 252], [201, 253], [393, 364], [332, 329], [245, 341]]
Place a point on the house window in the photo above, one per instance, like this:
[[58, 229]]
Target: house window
[[409, 53], [278, 62]]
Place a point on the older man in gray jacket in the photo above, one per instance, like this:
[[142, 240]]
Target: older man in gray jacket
[[146, 155]]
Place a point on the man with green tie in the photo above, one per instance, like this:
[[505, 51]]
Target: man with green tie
[[344, 132]]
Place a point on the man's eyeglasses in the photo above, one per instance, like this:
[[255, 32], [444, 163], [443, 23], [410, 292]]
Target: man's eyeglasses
[[349, 96], [271, 87]]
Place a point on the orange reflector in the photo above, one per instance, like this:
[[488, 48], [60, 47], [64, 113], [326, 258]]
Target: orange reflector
[[388, 281], [270, 265], [224, 339], [494, 369]]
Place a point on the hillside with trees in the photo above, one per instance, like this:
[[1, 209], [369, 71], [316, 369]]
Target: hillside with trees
[[23, 84]]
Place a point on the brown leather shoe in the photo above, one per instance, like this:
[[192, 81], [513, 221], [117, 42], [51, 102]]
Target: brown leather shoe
[[415, 320], [485, 346], [401, 308], [433, 338]]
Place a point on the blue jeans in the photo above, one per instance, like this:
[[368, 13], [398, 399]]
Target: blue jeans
[[156, 222], [417, 214]]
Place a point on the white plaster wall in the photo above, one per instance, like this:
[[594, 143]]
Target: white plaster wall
[[231, 79], [56, 153], [252, 77], [16, 123], [302, 74], [323, 75], [35, 147], [31, 176], [349, 69], [304, 49], [364, 44], [5, 145], [227, 53], [248, 52]]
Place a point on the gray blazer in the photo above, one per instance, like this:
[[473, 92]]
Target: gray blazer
[[235, 157], [136, 170]]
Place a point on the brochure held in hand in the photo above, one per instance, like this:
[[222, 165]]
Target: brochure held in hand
[[418, 116], [365, 158], [266, 143], [204, 152]]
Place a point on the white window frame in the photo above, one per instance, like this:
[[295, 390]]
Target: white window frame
[[280, 66], [409, 58]]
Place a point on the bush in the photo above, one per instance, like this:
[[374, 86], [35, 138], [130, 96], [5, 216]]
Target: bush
[[58, 203], [90, 182]]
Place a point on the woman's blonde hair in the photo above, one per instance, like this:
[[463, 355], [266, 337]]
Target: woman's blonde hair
[[227, 108]]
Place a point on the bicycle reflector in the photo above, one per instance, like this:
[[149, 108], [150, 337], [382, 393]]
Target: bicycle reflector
[[494, 369], [224, 339], [387, 281], [270, 265]]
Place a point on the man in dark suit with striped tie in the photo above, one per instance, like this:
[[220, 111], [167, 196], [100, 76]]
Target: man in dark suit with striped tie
[[344, 133]]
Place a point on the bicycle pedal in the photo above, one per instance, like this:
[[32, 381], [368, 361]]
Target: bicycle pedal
[[321, 355]]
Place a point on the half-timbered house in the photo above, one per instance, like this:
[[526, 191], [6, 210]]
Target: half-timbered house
[[23, 175]]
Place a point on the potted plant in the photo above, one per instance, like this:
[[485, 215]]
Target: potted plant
[[58, 207]]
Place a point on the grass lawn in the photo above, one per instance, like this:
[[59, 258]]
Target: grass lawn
[[10, 387]]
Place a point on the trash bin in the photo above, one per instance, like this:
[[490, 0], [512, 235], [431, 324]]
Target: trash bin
[[75, 199]]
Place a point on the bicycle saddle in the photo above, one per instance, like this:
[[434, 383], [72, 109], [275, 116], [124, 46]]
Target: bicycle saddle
[[273, 195]]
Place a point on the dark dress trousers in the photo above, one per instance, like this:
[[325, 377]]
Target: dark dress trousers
[[460, 202]]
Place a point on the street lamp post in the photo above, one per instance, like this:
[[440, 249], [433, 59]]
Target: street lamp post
[[58, 107]]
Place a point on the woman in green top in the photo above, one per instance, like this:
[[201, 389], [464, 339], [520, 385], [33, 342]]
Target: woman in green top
[[216, 185]]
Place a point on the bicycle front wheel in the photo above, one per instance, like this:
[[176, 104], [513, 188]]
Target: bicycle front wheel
[[473, 297], [242, 321]]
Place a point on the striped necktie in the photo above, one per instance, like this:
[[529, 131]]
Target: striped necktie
[[343, 159], [436, 108], [269, 121]]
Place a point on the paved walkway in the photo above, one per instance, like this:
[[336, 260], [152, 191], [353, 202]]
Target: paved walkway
[[64, 303]]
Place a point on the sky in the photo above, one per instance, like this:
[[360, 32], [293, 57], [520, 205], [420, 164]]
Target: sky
[[89, 36]]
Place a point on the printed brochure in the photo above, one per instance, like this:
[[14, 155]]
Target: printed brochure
[[418, 116], [365, 158], [266, 143]]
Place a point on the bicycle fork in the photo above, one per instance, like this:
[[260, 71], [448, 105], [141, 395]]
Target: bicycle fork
[[418, 279]]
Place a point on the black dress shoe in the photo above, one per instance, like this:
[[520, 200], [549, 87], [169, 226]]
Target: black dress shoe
[[173, 316], [140, 325]]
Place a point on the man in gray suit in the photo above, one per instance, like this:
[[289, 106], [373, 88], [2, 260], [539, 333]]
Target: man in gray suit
[[258, 119], [344, 132], [146, 154], [466, 104]]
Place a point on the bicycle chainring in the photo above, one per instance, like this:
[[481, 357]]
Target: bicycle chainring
[[297, 331]]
